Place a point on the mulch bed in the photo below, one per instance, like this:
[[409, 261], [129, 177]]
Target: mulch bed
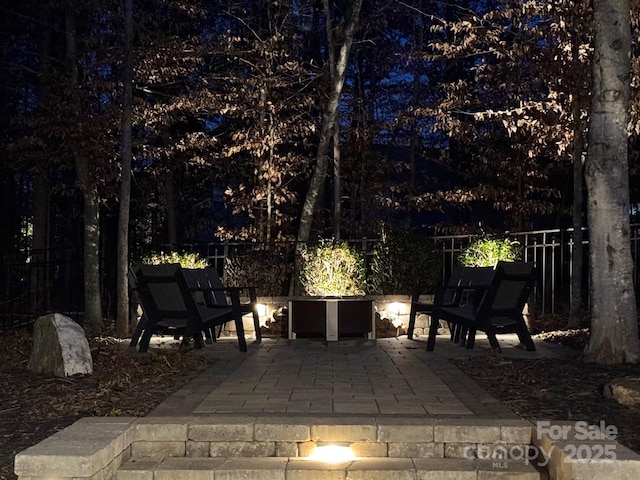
[[558, 389], [34, 406]]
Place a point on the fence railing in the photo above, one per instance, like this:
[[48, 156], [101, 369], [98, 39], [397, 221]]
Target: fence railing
[[552, 252], [36, 282], [33, 283], [217, 253]]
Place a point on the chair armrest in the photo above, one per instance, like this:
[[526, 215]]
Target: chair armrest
[[215, 289], [460, 293], [224, 288], [234, 292], [253, 293], [249, 288]]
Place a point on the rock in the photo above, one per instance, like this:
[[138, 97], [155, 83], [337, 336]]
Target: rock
[[60, 347], [384, 327], [422, 321], [625, 391], [278, 324]]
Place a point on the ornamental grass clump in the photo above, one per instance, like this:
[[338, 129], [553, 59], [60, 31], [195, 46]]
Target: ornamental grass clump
[[186, 260], [487, 252], [332, 269]]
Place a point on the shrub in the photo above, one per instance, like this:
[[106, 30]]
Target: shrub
[[404, 263], [487, 252], [268, 270], [332, 268], [186, 260]]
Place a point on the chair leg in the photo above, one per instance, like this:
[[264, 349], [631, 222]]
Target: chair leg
[[412, 317], [256, 326], [457, 333], [140, 327], [242, 342], [210, 335], [471, 338], [145, 339], [493, 341], [412, 324], [433, 331], [525, 336], [461, 335], [197, 340]]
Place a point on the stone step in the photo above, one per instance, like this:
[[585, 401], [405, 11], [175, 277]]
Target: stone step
[[415, 448], [243, 436], [282, 468], [94, 445]]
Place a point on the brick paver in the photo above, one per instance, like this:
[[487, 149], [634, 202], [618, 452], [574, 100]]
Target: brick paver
[[391, 376]]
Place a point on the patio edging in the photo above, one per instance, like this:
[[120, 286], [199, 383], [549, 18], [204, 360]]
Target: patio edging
[[97, 447]]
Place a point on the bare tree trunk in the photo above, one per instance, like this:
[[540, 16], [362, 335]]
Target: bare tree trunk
[[265, 215], [91, 207], [614, 327], [122, 285], [331, 50], [328, 120], [577, 253], [172, 223], [39, 300], [269, 200], [93, 323], [418, 36], [337, 183]]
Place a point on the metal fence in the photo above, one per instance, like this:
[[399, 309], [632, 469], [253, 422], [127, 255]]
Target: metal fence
[[37, 282], [217, 253], [277, 256], [33, 283], [552, 252]]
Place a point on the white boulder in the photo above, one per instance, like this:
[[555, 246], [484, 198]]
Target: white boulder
[[60, 347]]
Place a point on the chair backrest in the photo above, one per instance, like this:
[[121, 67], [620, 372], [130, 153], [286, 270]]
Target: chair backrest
[[197, 278], [453, 281], [466, 277], [160, 291], [456, 276], [206, 278], [476, 276], [133, 281], [132, 287], [509, 291], [219, 296]]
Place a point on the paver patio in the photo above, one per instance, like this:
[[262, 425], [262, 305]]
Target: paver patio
[[388, 376]]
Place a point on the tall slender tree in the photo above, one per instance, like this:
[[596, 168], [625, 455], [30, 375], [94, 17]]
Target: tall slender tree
[[122, 290], [614, 323], [350, 22], [93, 323]]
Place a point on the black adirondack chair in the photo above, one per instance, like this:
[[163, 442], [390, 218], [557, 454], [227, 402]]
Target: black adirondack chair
[[163, 310], [172, 306], [209, 291], [450, 295], [495, 309]]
